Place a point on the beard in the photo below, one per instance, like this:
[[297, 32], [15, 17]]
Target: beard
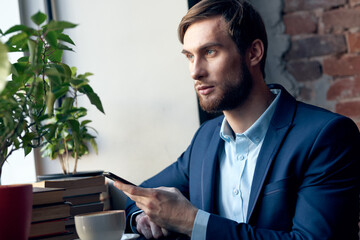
[[232, 95]]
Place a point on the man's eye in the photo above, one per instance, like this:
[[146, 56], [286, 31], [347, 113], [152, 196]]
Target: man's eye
[[210, 52], [189, 56]]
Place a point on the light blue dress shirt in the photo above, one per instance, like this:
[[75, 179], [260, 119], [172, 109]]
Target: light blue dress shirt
[[237, 164]]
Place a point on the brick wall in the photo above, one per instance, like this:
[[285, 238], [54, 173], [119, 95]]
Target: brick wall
[[324, 57]]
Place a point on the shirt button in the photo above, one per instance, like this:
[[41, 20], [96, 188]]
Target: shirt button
[[235, 191], [241, 157], [257, 139]]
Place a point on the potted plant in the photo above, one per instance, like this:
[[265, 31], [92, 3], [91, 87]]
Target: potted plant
[[39, 105], [15, 200]]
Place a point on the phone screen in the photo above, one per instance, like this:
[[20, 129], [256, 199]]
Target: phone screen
[[116, 178]]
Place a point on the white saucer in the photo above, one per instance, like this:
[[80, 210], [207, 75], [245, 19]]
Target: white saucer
[[128, 236]]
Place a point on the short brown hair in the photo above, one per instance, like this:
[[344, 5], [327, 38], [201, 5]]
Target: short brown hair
[[244, 23]]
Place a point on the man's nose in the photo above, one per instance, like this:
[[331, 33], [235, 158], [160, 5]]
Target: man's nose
[[198, 69]]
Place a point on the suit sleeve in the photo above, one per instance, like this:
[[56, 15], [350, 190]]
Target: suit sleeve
[[327, 196]]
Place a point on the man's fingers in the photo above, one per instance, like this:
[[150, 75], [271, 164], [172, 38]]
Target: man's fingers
[[124, 187], [155, 230], [133, 190], [148, 228], [143, 226], [165, 232], [146, 231]]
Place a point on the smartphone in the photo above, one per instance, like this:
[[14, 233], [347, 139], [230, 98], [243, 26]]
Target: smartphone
[[116, 178]]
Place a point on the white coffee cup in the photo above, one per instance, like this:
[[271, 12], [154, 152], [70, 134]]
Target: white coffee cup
[[105, 225]]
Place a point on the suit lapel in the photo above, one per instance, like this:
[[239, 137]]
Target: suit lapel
[[208, 171], [275, 135]]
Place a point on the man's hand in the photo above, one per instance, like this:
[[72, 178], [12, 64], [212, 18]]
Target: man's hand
[[148, 228], [165, 207]]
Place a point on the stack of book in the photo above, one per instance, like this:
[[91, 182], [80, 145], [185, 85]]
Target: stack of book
[[50, 214], [81, 194]]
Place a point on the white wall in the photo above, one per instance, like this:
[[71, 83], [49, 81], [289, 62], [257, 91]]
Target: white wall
[[131, 46]]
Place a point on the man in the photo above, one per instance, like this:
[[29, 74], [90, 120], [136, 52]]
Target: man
[[270, 168]]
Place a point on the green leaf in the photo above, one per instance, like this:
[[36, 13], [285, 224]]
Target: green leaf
[[18, 39], [47, 151], [19, 68], [38, 18], [80, 112], [74, 125], [54, 76], [83, 123], [24, 59], [64, 47], [16, 28], [27, 150], [28, 137], [59, 25], [1, 32], [67, 70], [12, 48], [94, 145], [16, 143], [51, 132], [67, 103], [76, 83], [65, 38], [73, 71], [60, 92], [85, 75], [4, 66], [95, 100], [75, 128], [55, 55], [93, 97], [32, 45], [58, 74], [43, 117], [13, 86], [51, 38]]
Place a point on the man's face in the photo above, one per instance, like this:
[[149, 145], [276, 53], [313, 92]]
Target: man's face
[[222, 79]]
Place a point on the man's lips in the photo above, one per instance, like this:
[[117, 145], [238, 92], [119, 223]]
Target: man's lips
[[205, 90]]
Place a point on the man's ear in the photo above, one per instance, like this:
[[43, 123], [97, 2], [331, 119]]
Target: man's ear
[[255, 52]]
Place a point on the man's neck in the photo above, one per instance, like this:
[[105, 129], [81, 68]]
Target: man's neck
[[244, 116]]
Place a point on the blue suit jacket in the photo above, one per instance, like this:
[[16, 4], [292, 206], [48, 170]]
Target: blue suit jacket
[[306, 181]]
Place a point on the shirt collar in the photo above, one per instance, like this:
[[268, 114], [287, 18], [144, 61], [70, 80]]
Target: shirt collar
[[256, 133]]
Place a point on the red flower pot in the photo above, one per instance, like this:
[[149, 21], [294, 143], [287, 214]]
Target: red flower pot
[[15, 211]]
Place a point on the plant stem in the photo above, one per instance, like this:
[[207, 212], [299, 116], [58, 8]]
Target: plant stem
[[62, 163], [67, 157], [76, 159]]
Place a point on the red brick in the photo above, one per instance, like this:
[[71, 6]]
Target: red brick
[[343, 88], [341, 18], [317, 45], [300, 23], [354, 2], [350, 109], [297, 5], [353, 40], [347, 65], [304, 71]]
